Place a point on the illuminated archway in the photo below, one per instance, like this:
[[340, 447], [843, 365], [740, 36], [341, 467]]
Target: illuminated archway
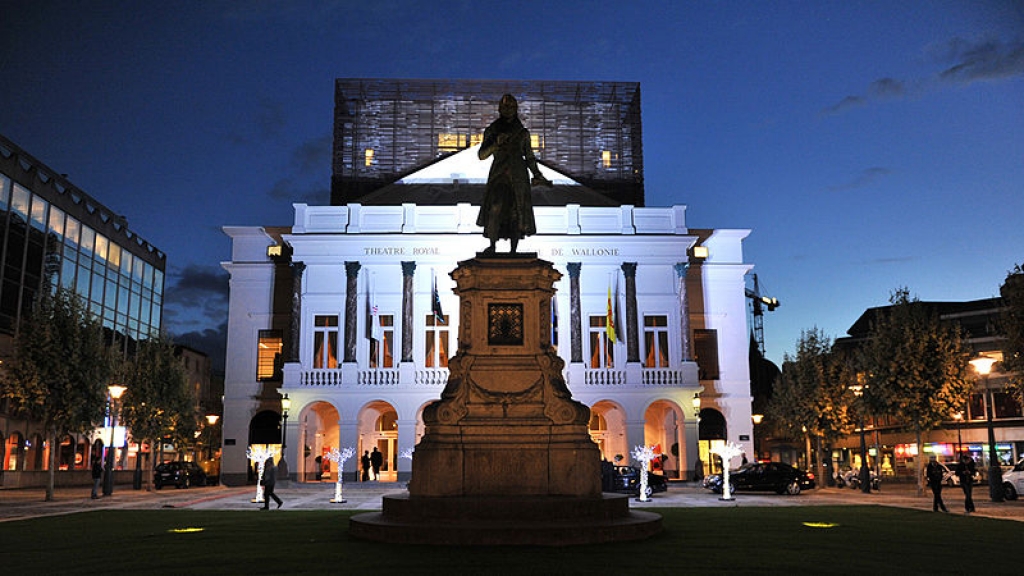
[[319, 431], [664, 428], [378, 428], [608, 430]]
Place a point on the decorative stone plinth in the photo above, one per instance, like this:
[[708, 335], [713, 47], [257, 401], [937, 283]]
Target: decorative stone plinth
[[506, 457]]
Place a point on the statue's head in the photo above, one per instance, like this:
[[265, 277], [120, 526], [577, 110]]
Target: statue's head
[[508, 107]]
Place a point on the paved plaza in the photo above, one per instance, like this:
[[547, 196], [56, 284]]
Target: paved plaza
[[18, 504]]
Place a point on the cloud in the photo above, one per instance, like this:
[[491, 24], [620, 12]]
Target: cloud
[[866, 177], [312, 156], [211, 341], [195, 298], [962, 62], [988, 60]]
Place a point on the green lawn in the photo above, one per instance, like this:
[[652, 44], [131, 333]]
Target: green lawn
[[869, 540]]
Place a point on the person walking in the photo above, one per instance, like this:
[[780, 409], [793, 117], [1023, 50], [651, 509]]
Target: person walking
[[965, 473], [97, 477], [376, 460], [269, 479], [934, 475]]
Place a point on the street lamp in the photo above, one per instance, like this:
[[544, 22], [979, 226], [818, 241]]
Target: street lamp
[[959, 417], [114, 391], [865, 472], [282, 466], [699, 465], [757, 418], [983, 366], [211, 420]]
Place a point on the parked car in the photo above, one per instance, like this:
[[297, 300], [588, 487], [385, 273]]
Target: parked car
[[775, 476], [626, 480], [1013, 481], [179, 475]]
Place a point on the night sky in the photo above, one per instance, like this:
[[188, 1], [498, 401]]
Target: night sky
[[867, 145]]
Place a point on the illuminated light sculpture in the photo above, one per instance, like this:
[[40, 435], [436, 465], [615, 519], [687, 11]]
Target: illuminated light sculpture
[[727, 452], [339, 458], [260, 457], [644, 454]]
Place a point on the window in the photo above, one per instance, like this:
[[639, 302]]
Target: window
[[325, 342], [382, 348], [368, 157], [602, 353], [656, 341], [436, 342], [606, 158], [268, 355], [705, 348]]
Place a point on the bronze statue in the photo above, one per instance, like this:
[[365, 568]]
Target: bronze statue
[[507, 209]]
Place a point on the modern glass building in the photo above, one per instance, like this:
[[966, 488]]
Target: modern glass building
[[54, 234]]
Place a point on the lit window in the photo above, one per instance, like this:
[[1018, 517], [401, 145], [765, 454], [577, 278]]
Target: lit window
[[536, 142], [602, 354], [368, 155], [382, 347], [325, 342], [436, 342], [606, 158], [268, 354], [656, 341]]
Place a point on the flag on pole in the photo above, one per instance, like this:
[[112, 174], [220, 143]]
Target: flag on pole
[[372, 312], [436, 303], [609, 321]]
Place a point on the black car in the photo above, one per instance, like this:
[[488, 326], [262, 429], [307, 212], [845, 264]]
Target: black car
[[626, 480], [179, 475], [775, 476]]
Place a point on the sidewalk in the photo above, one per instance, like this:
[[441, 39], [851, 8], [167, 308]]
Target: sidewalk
[[18, 504]]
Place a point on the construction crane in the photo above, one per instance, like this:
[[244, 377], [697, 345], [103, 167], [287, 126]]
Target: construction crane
[[760, 302]]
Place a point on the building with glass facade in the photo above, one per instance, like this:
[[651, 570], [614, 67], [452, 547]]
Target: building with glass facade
[[54, 234]]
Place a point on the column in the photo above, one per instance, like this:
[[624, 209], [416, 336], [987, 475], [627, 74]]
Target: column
[[351, 309], [292, 353], [684, 311], [408, 268], [632, 334], [575, 320]]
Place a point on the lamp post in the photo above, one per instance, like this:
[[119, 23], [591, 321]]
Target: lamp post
[[114, 392], [699, 471], [757, 419], [282, 466], [865, 472], [959, 417], [983, 366]]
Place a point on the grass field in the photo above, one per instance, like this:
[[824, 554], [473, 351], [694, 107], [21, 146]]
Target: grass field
[[837, 540]]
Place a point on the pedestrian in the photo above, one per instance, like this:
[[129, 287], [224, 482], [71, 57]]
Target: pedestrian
[[269, 479], [934, 475], [97, 477], [364, 462], [965, 473], [376, 460]]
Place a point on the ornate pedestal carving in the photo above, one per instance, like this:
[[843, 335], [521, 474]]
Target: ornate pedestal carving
[[506, 457]]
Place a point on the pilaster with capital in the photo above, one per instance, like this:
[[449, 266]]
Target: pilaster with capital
[[351, 318]]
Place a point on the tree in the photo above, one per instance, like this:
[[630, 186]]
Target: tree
[[158, 401], [1012, 325], [811, 396], [60, 370], [916, 369]]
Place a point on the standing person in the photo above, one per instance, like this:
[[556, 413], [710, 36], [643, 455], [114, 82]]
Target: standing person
[[364, 462], [376, 459], [269, 479], [507, 209], [97, 477], [965, 472], [934, 475]]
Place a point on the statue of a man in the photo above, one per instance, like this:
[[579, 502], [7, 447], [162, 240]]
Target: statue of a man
[[507, 209]]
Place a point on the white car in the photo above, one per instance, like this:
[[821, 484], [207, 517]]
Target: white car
[[1013, 481]]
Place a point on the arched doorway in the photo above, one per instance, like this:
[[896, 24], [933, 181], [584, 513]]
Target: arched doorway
[[713, 432], [665, 430], [378, 429], [319, 432], [608, 431], [265, 433]]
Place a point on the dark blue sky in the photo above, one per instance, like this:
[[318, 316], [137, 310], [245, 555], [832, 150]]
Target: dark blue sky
[[868, 146]]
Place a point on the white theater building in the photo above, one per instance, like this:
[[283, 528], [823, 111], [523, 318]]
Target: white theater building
[[337, 312], [341, 324]]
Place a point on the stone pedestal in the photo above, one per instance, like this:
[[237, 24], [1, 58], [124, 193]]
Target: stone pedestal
[[506, 457]]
